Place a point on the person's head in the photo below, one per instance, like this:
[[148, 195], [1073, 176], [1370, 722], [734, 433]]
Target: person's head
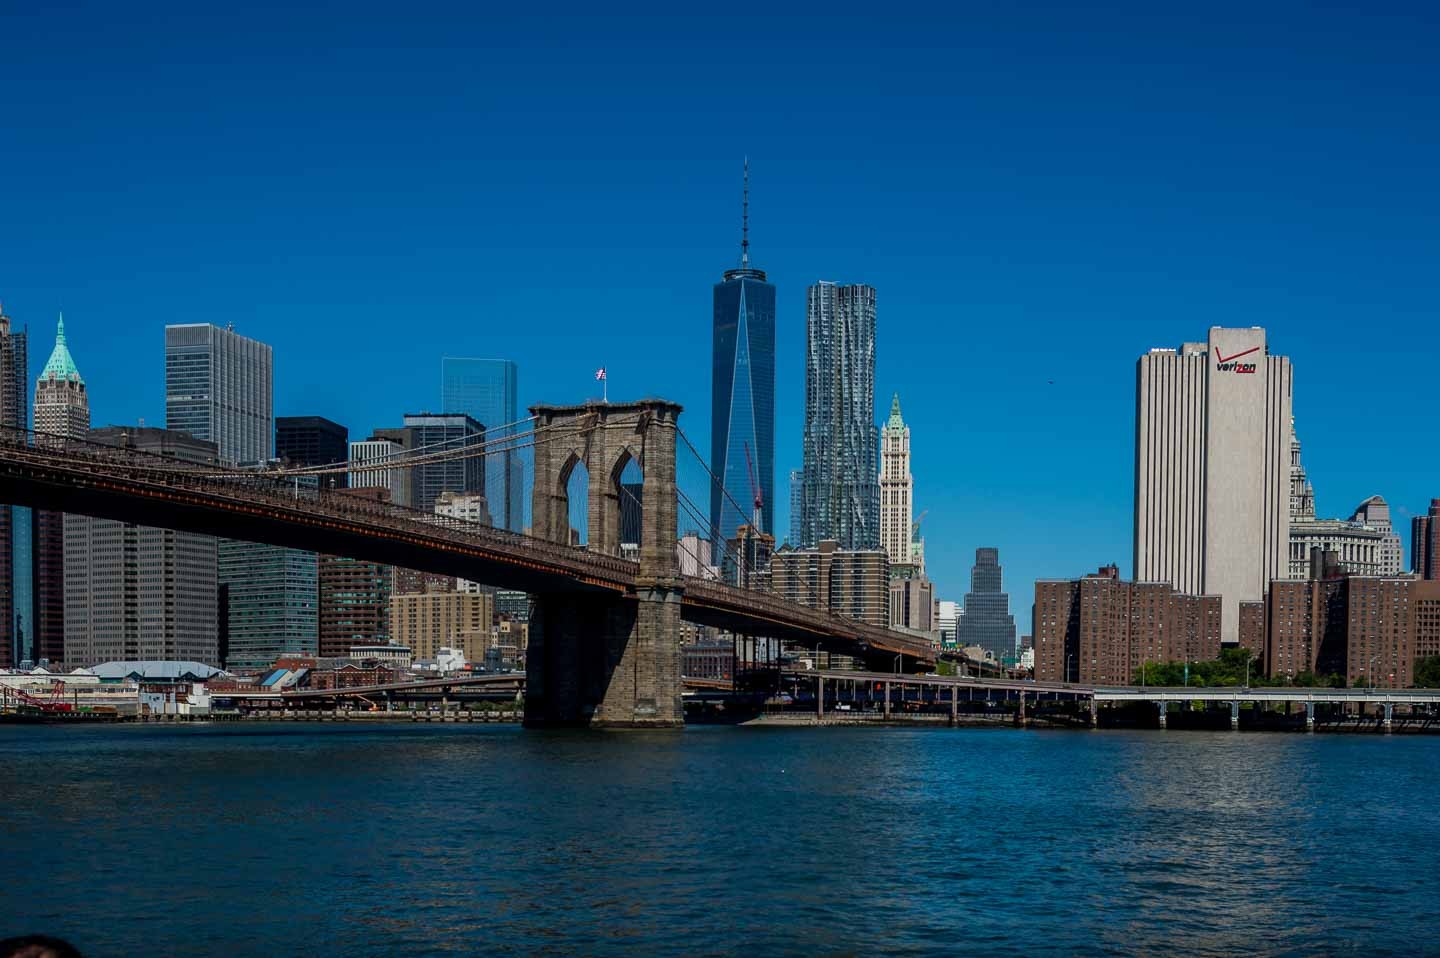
[[37, 946]]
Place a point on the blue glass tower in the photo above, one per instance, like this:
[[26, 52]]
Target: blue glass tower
[[485, 390], [742, 428]]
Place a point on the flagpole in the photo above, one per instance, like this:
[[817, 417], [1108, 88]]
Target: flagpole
[[605, 387]]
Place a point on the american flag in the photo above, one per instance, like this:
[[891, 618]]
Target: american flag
[[600, 373]]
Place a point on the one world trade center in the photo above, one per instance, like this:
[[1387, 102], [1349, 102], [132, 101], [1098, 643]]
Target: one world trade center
[[742, 430]]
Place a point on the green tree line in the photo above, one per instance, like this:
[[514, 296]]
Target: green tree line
[[1230, 669]]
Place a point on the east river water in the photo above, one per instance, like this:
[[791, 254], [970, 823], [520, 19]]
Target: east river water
[[467, 840]]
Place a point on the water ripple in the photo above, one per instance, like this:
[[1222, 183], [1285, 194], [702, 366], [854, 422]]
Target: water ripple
[[452, 840]]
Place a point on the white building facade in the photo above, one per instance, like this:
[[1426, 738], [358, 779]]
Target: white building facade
[[1212, 468], [897, 488], [372, 467]]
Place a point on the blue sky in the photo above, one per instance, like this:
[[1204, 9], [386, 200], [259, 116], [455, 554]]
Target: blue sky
[[1038, 193]]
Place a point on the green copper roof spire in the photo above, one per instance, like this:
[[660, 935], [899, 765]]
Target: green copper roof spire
[[61, 366], [895, 421]]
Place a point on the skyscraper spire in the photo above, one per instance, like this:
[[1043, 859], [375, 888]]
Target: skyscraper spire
[[745, 219]]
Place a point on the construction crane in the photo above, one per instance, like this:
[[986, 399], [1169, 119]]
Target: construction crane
[[915, 526], [19, 699], [759, 497]]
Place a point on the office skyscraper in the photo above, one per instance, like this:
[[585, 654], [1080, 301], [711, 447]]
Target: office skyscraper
[[218, 387], [742, 393], [271, 603], [17, 587], [443, 433], [371, 467], [1213, 476], [1425, 543], [312, 441], [897, 489], [62, 411], [841, 495], [486, 391], [62, 407], [135, 592], [987, 621]]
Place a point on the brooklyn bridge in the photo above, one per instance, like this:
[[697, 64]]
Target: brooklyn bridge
[[605, 626]]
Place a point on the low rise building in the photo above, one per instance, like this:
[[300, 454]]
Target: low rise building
[[713, 660], [388, 656], [446, 662]]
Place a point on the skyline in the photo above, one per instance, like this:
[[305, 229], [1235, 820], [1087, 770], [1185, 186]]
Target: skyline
[[1068, 237]]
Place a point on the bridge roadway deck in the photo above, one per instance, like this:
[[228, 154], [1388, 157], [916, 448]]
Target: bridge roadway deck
[[1118, 694], [1278, 694], [107, 482]]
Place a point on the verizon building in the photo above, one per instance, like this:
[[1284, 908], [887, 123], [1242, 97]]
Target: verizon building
[[1212, 469]]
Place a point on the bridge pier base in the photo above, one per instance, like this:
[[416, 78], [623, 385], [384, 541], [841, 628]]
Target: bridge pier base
[[606, 662], [1387, 723], [1309, 716], [1234, 716], [1094, 714], [1161, 708], [819, 697], [954, 705], [1022, 718], [887, 700]]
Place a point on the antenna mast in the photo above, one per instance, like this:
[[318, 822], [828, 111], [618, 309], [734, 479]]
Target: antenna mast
[[745, 219]]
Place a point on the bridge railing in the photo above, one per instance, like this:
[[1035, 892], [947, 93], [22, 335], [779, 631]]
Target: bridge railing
[[249, 486]]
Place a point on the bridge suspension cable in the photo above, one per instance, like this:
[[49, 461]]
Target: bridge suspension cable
[[407, 458]]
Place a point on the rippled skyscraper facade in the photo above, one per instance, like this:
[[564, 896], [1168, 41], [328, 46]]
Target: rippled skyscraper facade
[[841, 489], [742, 403]]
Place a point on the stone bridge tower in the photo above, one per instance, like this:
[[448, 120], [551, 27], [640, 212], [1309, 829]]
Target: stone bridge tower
[[603, 659]]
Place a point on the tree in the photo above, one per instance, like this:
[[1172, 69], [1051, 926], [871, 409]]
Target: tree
[[1427, 672]]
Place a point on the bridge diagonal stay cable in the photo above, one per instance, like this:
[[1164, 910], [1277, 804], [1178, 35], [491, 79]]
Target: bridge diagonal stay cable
[[700, 565], [724, 548], [706, 466]]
